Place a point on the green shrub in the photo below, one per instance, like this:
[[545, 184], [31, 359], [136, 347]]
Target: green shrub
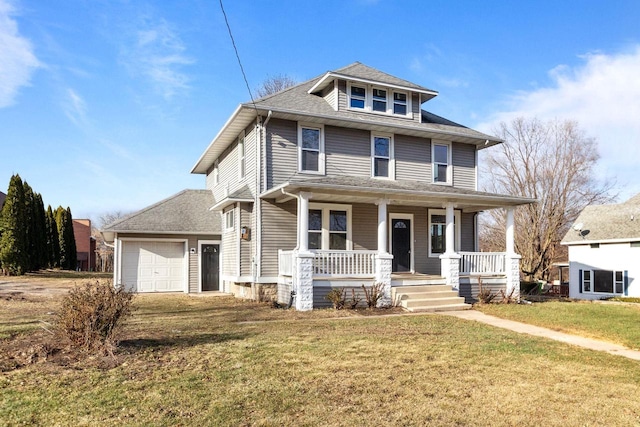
[[91, 316]]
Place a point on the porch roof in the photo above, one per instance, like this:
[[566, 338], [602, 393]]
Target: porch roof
[[352, 189]]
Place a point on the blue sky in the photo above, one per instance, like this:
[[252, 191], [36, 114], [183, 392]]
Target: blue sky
[[106, 105]]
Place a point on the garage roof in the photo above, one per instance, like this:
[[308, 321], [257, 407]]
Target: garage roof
[[186, 212]]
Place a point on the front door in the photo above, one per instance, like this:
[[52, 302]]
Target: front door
[[210, 267], [401, 244]]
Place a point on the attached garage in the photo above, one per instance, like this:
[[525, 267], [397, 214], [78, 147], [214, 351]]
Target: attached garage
[[154, 266]]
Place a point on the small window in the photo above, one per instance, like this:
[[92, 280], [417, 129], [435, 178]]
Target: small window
[[358, 97], [216, 173], [311, 149], [241, 158], [400, 103], [382, 148], [441, 161], [586, 281], [619, 282], [315, 229], [380, 100], [338, 230], [229, 220]]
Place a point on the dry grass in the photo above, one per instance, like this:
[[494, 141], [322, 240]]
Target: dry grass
[[217, 361], [607, 321]]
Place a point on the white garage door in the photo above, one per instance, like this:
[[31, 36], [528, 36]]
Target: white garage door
[[153, 266]]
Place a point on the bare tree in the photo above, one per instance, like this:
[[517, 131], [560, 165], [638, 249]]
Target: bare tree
[[274, 84], [552, 162], [104, 252]]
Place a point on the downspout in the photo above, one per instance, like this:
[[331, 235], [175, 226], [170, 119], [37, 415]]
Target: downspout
[[261, 179]]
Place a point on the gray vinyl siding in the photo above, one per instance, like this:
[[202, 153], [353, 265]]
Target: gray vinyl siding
[[246, 248], [282, 151], [342, 95], [330, 95], [229, 246], [467, 232], [228, 164], [463, 159], [348, 151], [320, 294], [364, 218], [415, 108], [469, 289], [278, 232], [413, 158]]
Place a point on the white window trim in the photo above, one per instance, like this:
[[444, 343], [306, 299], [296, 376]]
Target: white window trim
[[392, 163], [449, 165], [457, 220], [326, 208], [368, 100], [229, 216], [406, 103], [321, 156], [242, 157], [393, 216], [592, 283]]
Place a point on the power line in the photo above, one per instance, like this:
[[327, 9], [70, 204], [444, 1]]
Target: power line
[[246, 82]]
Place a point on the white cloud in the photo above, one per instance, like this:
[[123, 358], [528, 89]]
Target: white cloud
[[603, 96], [18, 61], [156, 52], [75, 108]]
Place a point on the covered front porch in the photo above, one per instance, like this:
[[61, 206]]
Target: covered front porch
[[413, 234]]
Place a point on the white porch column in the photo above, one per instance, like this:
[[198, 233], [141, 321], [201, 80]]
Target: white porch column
[[303, 222], [450, 260], [382, 226], [383, 276], [509, 232], [512, 260]]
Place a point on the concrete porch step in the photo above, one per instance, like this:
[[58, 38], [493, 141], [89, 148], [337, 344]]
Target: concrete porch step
[[426, 298], [450, 307]]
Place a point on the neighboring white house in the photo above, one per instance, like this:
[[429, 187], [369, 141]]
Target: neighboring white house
[[604, 251]]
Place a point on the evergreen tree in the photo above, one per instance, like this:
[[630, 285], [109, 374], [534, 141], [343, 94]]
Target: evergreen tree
[[13, 243], [61, 224], [53, 242], [41, 232], [30, 227], [72, 252]]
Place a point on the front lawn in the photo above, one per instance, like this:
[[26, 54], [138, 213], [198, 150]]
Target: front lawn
[[613, 322], [216, 361]]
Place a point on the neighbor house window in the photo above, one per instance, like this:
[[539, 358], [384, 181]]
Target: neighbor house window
[[329, 226], [216, 172], [382, 156], [438, 231], [310, 149], [603, 281], [229, 220], [635, 244], [241, 158], [441, 156]]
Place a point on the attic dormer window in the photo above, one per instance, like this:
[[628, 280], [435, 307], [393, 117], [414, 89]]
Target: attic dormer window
[[379, 100], [358, 97]]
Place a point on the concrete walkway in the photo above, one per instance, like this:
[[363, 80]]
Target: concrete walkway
[[524, 328]]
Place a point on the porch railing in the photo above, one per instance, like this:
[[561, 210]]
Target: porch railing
[[345, 263], [285, 263], [489, 263]]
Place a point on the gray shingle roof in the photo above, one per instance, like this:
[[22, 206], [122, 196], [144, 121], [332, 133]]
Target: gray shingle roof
[[361, 71], [185, 212], [606, 222]]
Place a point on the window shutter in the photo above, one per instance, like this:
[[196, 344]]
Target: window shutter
[[580, 281], [625, 277]]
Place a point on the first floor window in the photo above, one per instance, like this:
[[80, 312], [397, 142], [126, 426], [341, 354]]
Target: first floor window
[[311, 146], [603, 281], [381, 151], [329, 227], [438, 231]]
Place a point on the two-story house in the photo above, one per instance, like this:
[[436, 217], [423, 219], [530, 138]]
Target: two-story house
[[340, 181]]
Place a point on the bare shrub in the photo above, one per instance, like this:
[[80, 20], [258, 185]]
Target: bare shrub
[[509, 298], [373, 294], [91, 316], [337, 298], [485, 296], [355, 300]]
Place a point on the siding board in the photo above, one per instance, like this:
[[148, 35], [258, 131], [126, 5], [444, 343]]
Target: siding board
[[463, 159], [282, 151], [413, 158], [348, 151], [279, 232]]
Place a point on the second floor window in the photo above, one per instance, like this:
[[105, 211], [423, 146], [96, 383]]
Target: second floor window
[[310, 149], [441, 155], [381, 155], [216, 172]]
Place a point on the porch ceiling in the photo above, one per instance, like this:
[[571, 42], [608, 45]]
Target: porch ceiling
[[347, 189]]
